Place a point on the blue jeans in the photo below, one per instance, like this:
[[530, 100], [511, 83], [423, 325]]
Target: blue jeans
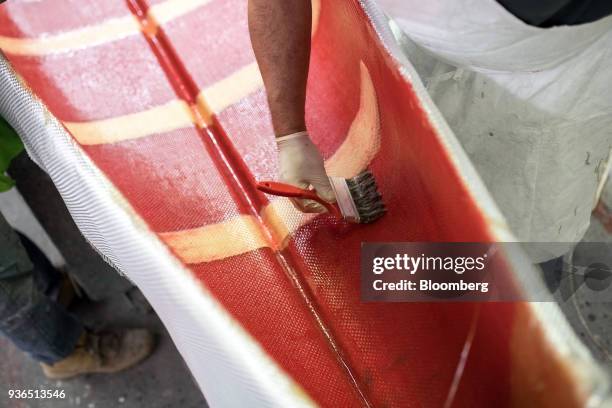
[[29, 316]]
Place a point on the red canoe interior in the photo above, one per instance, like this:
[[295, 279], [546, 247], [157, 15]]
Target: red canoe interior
[[300, 301]]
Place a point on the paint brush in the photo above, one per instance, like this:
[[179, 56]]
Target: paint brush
[[358, 200]]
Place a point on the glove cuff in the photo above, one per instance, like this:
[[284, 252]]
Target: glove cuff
[[282, 139]]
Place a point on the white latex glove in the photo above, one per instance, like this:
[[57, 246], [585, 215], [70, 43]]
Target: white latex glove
[[301, 165]]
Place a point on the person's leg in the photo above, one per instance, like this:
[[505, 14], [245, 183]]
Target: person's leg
[[32, 321], [41, 326], [280, 35], [47, 278], [32, 312]]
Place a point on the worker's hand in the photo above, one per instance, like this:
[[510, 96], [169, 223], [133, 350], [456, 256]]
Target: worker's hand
[[301, 165]]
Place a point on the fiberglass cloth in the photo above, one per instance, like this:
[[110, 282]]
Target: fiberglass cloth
[[168, 128]]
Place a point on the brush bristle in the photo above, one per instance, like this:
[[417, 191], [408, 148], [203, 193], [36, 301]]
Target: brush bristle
[[368, 200]]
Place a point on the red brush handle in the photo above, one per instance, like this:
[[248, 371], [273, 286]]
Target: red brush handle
[[287, 190]]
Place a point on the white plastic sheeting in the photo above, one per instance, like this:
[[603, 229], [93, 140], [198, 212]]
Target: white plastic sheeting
[[532, 107]]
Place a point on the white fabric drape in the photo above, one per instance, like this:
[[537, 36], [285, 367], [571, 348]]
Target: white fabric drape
[[532, 107]]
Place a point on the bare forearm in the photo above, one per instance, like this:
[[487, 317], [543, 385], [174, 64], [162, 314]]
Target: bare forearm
[[280, 34]]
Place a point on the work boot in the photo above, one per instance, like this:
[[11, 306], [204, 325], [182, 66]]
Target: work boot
[[106, 352]]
